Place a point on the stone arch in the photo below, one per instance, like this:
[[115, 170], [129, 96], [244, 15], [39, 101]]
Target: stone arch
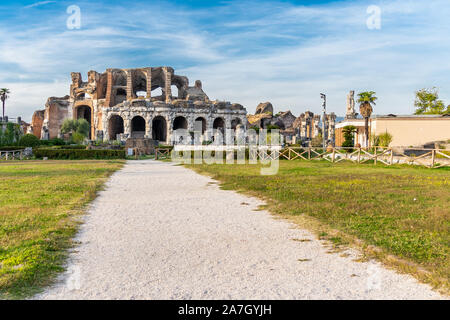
[[138, 127], [120, 96], [119, 78], [84, 112], [219, 124], [159, 129], [180, 122], [140, 83], [203, 124], [235, 122], [115, 126]]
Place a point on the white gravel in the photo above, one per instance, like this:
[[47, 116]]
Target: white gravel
[[161, 231]]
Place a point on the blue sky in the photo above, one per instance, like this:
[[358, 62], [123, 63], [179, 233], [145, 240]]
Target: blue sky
[[286, 52]]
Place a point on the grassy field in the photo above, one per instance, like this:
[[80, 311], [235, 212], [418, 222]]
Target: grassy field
[[398, 214], [39, 203]]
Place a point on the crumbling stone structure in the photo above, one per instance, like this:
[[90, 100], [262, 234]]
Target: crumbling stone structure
[[300, 129], [138, 103]]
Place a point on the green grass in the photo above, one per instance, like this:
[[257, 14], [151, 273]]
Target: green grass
[[39, 204], [399, 214]]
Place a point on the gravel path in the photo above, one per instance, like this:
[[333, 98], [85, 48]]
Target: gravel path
[[161, 231]]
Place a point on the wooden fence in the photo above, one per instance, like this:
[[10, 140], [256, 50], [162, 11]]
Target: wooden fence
[[430, 158]]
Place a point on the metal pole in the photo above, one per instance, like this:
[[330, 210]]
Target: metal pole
[[324, 105]]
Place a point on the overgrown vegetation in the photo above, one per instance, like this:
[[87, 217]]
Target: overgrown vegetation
[[402, 211], [77, 128], [10, 134], [38, 206]]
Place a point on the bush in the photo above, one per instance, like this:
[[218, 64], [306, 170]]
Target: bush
[[29, 140], [57, 142], [12, 148], [78, 154]]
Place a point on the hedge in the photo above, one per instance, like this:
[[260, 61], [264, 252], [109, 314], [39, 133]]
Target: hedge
[[12, 148], [76, 154]]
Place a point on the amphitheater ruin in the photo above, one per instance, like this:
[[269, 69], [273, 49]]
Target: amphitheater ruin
[[152, 103], [137, 103]]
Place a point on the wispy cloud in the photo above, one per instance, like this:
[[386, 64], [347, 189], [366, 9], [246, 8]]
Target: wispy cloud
[[40, 3], [246, 52]]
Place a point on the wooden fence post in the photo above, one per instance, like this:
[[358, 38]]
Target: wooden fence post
[[392, 156], [309, 153], [375, 156], [433, 158], [334, 153]]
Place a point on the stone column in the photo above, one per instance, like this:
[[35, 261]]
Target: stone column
[[149, 83], [148, 127], [316, 125], [332, 128], [130, 94], [127, 126], [109, 93], [167, 85]]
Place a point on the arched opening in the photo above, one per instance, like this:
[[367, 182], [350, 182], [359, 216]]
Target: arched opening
[[137, 127], [140, 84], [84, 112], [115, 127], [180, 123], [159, 129], [201, 123], [235, 122], [174, 90], [219, 124], [119, 78], [121, 96], [157, 93], [81, 96]]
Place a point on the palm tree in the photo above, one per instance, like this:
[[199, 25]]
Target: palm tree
[[4, 95], [366, 100]]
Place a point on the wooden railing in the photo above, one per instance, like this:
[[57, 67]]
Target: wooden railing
[[162, 153], [431, 158]]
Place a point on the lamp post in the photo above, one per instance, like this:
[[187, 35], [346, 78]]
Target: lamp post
[[324, 105]]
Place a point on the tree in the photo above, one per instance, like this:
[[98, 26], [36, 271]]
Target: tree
[[4, 94], [428, 102], [78, 128], [348, 132], [366, 100]]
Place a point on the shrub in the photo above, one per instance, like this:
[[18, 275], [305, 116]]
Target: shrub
[[29, 140], [57, 142], [78, 137], [385, 139], [348, 136], [12, 148], [77, 154]]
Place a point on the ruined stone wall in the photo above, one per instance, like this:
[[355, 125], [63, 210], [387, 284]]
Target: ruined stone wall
[[36, 122]]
